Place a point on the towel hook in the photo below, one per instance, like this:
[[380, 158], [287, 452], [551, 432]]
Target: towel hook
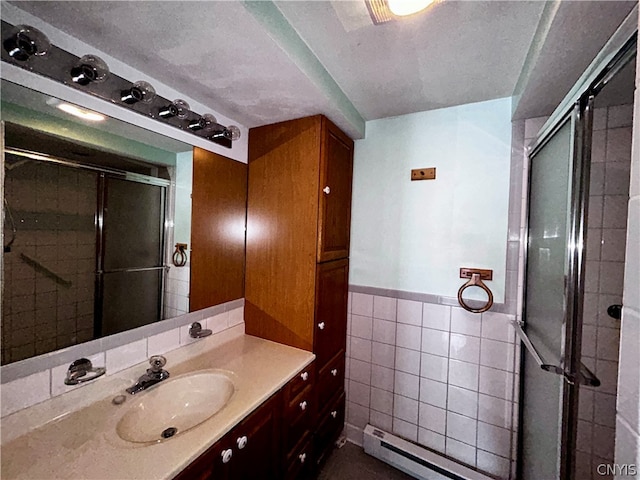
[[475, 280]]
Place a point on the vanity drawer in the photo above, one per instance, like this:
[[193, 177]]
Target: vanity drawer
[[300, 415], [331, 425], [303, 379], [301, 461], [331, 379]]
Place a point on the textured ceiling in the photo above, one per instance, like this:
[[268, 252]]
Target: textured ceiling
[[262, 62], [214, 51], [455, 53], [579, 30]]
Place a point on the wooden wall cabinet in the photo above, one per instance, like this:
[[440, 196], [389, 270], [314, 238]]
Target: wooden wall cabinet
[[296, 283], [219, 200]]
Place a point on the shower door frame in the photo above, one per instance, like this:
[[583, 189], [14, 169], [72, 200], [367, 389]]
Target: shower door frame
[[103, 177], [102, 173], [577, 108]]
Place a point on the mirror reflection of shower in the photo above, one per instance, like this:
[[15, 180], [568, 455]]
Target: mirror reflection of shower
[[83, 244], [11, 227]]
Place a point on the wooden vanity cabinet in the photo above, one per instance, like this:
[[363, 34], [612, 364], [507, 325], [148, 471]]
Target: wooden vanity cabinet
[[250, 451], [296, 281]]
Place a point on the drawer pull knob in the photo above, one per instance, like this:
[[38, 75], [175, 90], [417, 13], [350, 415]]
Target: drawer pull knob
[[302, 457], [304, 376], [321, 325], [303, 405], [326, 190], [334, 372], [226, 455], [242, 442], [334, 414]]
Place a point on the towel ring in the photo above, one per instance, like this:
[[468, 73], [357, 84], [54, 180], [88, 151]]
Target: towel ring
[[180, 255], [476, 281]]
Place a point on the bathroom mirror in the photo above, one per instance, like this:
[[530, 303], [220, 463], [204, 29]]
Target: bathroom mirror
[[93, 209]]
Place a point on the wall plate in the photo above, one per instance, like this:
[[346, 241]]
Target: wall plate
[[423, 174]]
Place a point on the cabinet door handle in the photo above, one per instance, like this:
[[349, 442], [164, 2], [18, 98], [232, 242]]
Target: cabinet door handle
[[226, 455], [242, 442], [304, 376], [334, 414], [303, 405], [321, 325], [302, 457], [326, 190], [334, 372]]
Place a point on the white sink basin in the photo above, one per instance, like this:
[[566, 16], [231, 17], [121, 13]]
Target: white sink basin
[[181, 403]]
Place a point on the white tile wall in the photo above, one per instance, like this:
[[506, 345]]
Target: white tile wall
[[123, 357], [627, 444], [38, 387], [415, 369], [606, 238], [26, 391]]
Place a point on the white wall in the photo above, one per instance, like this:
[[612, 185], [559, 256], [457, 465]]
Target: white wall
[[184, 176], [628, 403], [414, 236]]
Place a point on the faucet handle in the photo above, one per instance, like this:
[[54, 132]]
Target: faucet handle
[[78, 370], [157, 362]]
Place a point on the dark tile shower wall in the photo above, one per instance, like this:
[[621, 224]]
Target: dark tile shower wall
[[53, 208]]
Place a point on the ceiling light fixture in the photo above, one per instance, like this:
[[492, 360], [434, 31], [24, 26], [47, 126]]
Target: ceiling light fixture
[[29, 49], [140, 92], [81, 112], [89, 68], [378, 11], [403, 8], [26, 41]]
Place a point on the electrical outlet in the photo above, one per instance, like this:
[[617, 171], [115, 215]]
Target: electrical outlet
[[423, 174]]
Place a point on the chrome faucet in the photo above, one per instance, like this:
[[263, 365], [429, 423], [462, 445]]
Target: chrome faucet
[[155, 374]]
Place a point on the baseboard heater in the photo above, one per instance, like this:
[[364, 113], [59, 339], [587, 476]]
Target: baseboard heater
[[413, 459]]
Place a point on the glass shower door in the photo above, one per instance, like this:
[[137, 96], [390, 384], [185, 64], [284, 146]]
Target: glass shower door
[[132, 273], [553, 302]]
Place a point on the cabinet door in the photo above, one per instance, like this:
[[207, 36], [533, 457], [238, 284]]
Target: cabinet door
[[331, 424], [219, 200], [209, 465], [331, 380], [336, 170], [256, 444], [331, 310]]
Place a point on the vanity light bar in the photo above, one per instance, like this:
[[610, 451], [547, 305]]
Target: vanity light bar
[[28, 48]]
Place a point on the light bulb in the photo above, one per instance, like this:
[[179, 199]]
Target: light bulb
[[402, 8], [177, 108], [26, 42], [232, 133], [139, 92], [89, 68], [205, 122]]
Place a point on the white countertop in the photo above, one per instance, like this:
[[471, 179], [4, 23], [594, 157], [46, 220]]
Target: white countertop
[[83, 444]]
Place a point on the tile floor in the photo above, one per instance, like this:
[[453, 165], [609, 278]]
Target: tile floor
[[351, 463]]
